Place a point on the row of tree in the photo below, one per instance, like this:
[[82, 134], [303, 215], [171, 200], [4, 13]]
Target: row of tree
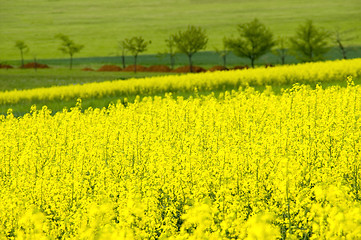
[[254, 39], [67, 46]]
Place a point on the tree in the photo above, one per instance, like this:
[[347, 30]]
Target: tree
[[340, 37], [69, 47], [281, 50], [309, 43], [136, 45], [122, 47], [23, 49], [254, 41], [190, 42], [224, 52], [170, 44]]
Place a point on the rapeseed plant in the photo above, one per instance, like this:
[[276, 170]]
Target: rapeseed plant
[[209, 81], [244, 165]]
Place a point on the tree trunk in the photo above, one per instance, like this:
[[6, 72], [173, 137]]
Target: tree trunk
[[123, 58], [22, 58], [224, 60], [135, 63], [123, 61], [311, 54], [71, 62], [36, 65], [190, 63], [342, 49], [171, 61], [252, 62], [283, 55]]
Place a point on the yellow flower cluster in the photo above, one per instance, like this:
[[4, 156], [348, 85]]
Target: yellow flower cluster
[[308, 72], [244, 165]]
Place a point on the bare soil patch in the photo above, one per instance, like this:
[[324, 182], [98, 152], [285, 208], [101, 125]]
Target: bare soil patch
[[240, 67], [109, 68], [186, 69], [217, 68], [87, 69], [6, 66], [140, 68], [269, 65], [159, 68], [35, 65]]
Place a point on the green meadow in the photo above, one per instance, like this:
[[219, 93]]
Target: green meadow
[[100, 25]]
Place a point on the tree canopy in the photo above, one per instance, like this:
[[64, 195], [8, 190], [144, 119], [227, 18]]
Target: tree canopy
[[22, 48], [309, 43], [69, 47], [281, 51], [254, 40], [190, 41], [136, 45]]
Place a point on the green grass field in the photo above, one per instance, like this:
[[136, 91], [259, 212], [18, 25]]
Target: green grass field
[[29, 78], [100, 25]]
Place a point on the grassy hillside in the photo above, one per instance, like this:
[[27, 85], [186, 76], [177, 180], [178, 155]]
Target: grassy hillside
[[99, 25]]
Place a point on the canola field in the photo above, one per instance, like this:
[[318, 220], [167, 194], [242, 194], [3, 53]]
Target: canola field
[[244, 165], [209, 81]]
